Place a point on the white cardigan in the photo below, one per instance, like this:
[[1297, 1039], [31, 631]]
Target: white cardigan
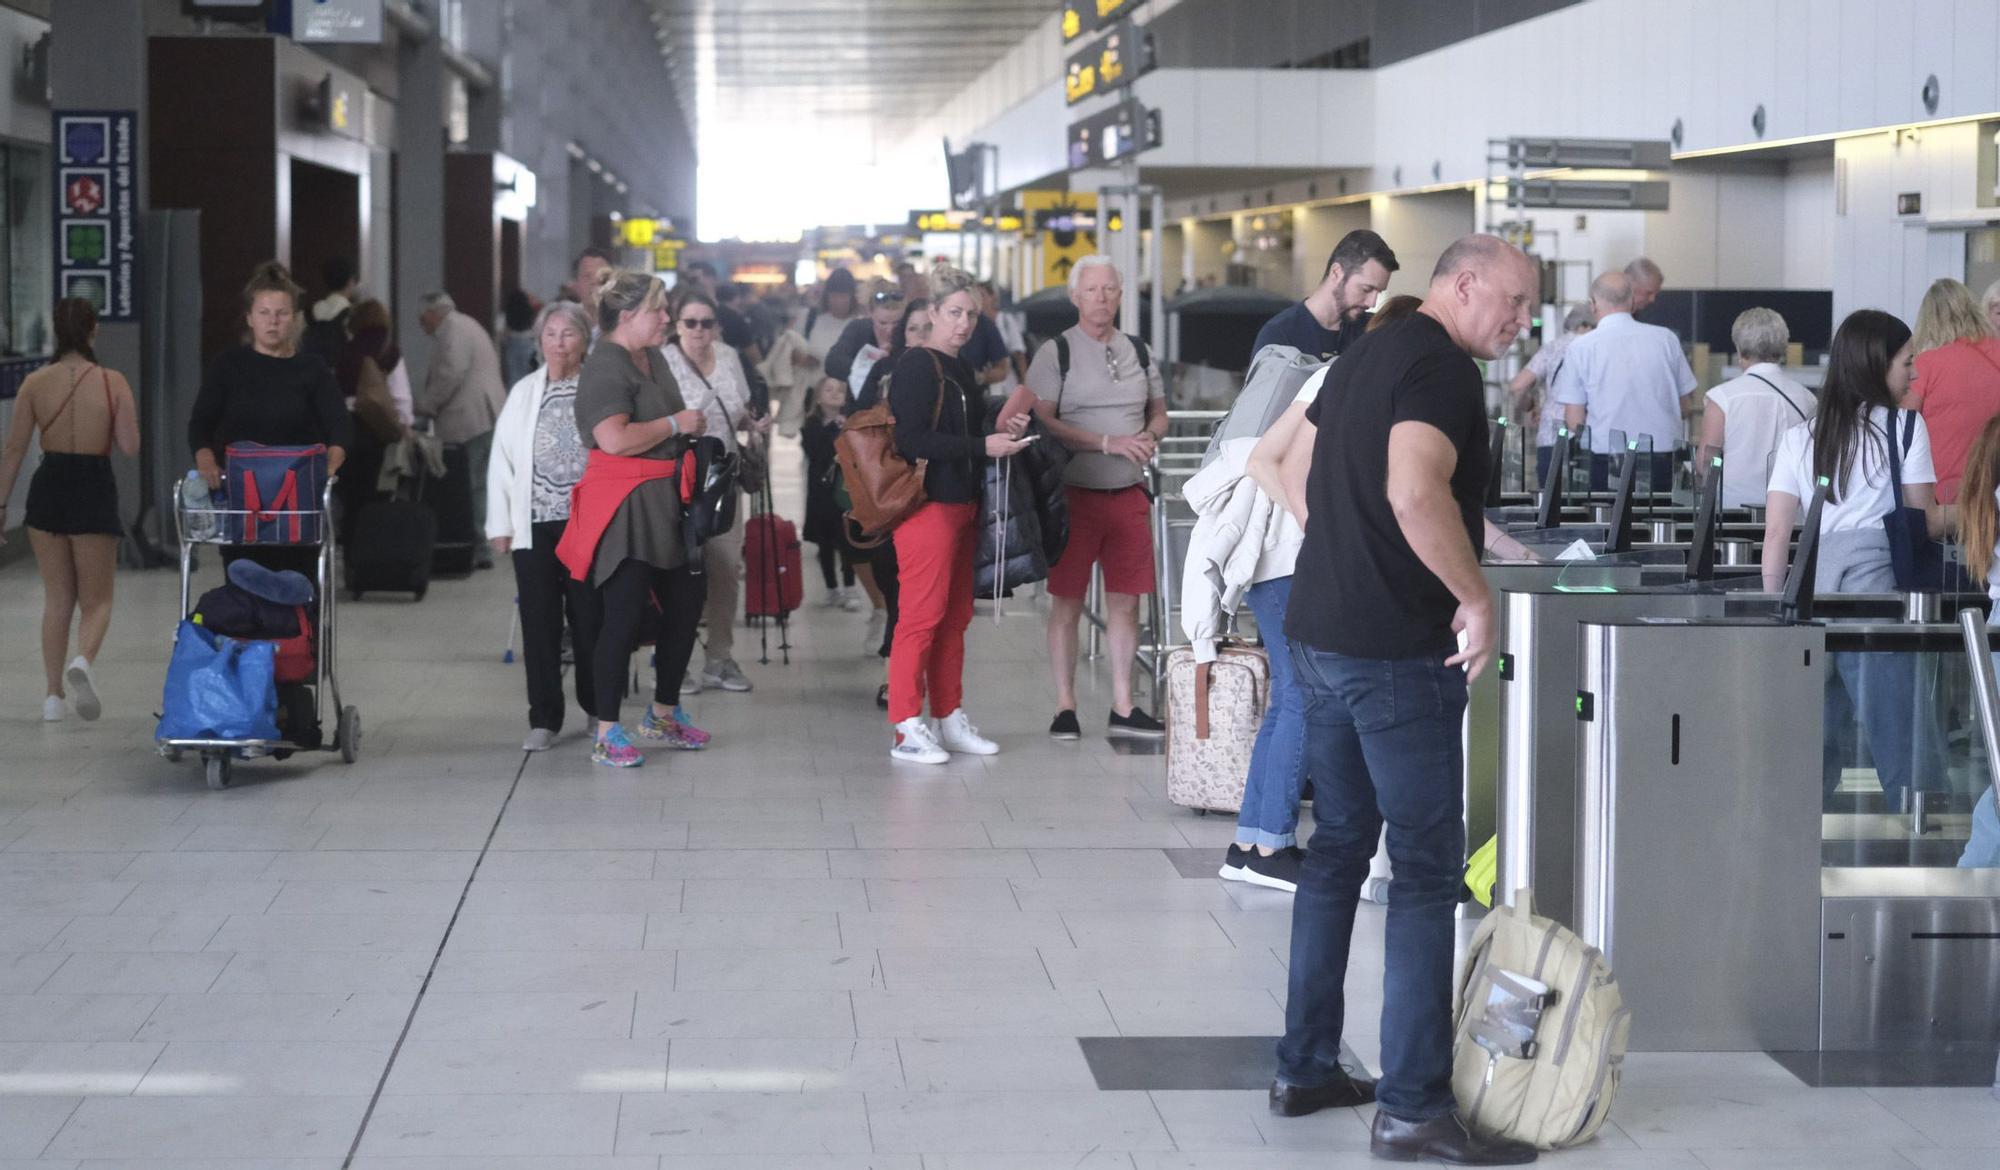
[[510, 478], [1240, 537]]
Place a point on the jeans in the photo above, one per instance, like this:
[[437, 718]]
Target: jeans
[[1382, 738], [1270, 815], [547, 594], [479, 453]]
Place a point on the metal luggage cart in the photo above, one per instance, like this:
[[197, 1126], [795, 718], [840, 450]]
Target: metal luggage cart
[[198, 526]]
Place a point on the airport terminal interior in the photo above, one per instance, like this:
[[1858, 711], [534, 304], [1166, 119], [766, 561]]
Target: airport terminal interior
[[999, 584]]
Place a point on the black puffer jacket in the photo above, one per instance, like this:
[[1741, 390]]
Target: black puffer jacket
[[1024, 517]]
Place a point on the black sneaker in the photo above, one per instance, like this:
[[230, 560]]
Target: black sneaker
[[1064, 726], [1279, 871], [1232, 865], [1137, 723]]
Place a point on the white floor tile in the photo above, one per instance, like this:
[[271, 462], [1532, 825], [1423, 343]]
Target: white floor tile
[[523, 1065], [74, 1017], [324, 972], [1003, 1122], [493, 1124], [73, 1070], [760, 1015], [357, 1017], [967, 1012], [27, 1124], [523, 1015], [995, 1063], [784, 1066], [743, 1123], [763, 930], [776, 970], [547, 932], [330, 932], [214, 1127], [128, 973], [267, 1068]]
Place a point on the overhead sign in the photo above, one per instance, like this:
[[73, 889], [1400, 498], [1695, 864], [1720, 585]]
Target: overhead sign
[[96, 237], [639, 233], [337, 21], [1081, 17], [1117, 133], [667, 255], [1124, 55], [958, 221]]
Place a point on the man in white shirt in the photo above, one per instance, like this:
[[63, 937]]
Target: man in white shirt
[[1628, 377], [1745, 416]]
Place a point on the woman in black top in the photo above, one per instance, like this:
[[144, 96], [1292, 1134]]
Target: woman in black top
[[268, 392], [940, 411]]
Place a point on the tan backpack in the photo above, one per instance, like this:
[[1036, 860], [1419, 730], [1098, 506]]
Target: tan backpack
[[884, 488], [1540, 1031]]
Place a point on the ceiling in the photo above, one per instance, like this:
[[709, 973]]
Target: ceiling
[[882, 65]]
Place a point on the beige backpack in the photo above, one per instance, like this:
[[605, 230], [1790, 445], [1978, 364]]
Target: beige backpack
[[1540, 1031]]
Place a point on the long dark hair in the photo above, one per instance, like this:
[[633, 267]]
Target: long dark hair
[[76, 324], [1857, 381], [899, 338]]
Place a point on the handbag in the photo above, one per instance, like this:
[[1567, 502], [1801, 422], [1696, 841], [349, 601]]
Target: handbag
[[1917, 561], [886, 488], [753, 464], [708, 494]]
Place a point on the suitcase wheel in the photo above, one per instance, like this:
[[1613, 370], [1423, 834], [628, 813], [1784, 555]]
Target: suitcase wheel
[[217, 767], [347, 735]]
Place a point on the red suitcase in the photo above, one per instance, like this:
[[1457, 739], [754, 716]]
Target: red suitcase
[[774, 579]]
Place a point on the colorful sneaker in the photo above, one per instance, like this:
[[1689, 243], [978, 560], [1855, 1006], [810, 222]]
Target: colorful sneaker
[[676, 731], [614, 750]]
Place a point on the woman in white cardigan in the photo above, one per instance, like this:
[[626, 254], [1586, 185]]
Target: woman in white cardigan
[[538, 457]]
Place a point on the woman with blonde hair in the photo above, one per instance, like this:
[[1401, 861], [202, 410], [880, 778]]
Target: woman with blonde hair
[[624, 530], [1957, 383], [940, 411], [1979, 536]]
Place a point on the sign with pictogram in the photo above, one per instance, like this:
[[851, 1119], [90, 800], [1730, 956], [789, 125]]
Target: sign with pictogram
[[97, 213]]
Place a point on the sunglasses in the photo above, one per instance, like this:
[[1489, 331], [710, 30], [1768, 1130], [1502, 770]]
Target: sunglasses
[[697, 322], [888, 298]]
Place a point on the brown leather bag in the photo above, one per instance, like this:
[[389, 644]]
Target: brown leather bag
[[374, 406], [885, 488]]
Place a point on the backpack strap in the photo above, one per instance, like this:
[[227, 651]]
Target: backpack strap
[[1062, 369], [1145, 355], [1788, 400]]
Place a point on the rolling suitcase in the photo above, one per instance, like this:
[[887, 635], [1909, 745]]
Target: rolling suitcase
[[774, 577], [392, 548], [450, 499], [1213, 712]]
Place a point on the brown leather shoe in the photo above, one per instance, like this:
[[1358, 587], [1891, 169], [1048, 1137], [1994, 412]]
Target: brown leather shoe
[[1442, 1139], [1299, 1100]]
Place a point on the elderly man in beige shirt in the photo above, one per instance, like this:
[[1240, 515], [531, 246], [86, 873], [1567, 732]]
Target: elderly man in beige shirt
[[462, 394]]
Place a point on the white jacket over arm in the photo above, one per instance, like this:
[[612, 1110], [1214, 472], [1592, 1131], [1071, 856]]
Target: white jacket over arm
[[1240, 537], [510, 473]]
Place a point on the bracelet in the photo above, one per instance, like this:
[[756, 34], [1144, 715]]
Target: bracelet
[[674, 423]]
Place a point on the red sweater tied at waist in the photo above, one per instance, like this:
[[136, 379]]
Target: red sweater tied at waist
[[608, 480]]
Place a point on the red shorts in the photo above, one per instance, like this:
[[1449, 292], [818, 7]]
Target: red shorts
[[1111, 528]]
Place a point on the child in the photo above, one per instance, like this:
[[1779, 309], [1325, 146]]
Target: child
[[823, 518], [1979, 536]]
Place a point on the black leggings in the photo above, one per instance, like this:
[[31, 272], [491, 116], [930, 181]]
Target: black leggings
[[626, 618], [830, 552]]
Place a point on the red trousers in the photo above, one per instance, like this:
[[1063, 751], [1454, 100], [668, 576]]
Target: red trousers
[[934, 557]]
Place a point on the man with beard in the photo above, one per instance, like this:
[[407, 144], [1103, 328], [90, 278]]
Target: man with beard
[[1336, 313]]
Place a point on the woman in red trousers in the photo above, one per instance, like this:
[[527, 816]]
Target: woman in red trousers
[[940, 408]]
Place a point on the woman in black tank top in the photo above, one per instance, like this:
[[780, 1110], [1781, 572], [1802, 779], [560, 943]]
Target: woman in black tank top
[[82, 411]]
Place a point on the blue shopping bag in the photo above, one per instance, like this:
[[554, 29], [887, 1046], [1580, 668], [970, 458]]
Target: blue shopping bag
[[219, 688]]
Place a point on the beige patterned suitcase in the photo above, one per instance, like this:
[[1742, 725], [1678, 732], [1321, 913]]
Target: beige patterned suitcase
[[1213, 712]]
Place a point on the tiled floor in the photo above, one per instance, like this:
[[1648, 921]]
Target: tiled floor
[[778, 953]]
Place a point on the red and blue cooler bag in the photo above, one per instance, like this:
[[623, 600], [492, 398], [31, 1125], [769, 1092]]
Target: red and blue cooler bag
[[280, 489]]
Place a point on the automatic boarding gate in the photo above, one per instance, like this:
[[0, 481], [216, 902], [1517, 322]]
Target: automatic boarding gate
[[1770, 863]]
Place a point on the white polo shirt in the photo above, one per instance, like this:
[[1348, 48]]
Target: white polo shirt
[[1756, 409], [1628, 377], [1865, 496]]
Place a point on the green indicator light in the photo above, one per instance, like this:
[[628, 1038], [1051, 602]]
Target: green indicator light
[[1715, 462], [1579, 704], [1825, 482], [1631, 445]]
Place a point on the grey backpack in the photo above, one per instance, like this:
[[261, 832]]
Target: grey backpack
[[1276, 376]]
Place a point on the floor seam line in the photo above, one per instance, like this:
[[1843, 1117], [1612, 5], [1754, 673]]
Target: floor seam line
[[430, 972]]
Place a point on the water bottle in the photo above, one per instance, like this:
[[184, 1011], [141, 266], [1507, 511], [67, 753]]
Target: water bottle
[[198, 507]]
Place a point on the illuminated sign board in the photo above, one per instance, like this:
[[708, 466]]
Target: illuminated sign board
[[1087, 16], [958, 221], [1117, 133], [1124, 55]]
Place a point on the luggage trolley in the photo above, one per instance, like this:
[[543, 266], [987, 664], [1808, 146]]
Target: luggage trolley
[[198, 526]]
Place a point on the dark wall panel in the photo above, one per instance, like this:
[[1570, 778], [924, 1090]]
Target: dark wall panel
[[1408, 28]]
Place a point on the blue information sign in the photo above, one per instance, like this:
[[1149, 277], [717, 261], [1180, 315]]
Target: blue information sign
[[97, 212]]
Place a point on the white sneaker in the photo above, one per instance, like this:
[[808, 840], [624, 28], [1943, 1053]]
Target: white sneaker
[[539, 739], [53, 709], [82, 689], [691, 681], [850, 600], [957, 734], [878, 625], [833, 598], [917, 744]]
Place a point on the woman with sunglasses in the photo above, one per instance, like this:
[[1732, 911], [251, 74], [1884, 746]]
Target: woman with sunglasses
[[711, 377]]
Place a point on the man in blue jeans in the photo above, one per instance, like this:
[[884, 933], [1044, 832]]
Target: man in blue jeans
[[1389, 617]]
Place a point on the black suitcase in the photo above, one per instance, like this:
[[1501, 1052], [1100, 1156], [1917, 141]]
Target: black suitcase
[[392, 548], [450, 499]]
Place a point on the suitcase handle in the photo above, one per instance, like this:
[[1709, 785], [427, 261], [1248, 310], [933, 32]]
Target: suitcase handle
[[1202, 672]]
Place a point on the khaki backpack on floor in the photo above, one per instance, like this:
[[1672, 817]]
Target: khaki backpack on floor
[[1540, 1031]]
